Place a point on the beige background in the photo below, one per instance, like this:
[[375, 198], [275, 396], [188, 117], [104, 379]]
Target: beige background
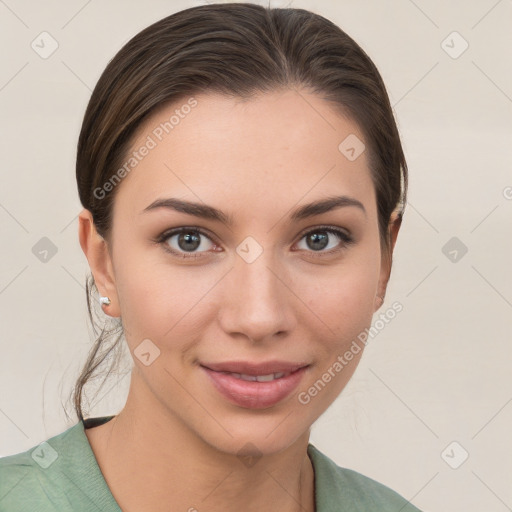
[[438, 373]]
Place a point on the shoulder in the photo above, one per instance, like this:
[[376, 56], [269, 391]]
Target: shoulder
[[339, 488], [23, 479], [43, 478]]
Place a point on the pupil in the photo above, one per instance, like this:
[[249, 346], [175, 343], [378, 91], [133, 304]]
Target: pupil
[[188, 238], [318, 241]]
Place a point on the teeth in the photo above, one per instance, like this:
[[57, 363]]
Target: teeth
[[265, 378], [257, 378], [248, 377]]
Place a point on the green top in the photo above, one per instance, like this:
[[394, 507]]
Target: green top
[[62, 474]]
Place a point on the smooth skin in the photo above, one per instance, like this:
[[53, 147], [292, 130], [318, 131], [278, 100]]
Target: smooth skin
[[175, 444]]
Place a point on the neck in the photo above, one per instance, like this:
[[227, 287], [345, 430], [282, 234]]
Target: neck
[[151, 461]]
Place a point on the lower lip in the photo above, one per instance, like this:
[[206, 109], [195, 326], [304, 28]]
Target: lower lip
[[251, 394]]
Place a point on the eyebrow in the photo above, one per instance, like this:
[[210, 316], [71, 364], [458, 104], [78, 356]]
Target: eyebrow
[[210, 213]]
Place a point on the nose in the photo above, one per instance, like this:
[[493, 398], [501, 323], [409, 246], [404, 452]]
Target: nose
[[256, 300]]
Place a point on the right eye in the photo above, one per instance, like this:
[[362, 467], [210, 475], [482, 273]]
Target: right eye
[[186, 242]]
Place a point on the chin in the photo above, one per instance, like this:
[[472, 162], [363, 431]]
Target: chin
[[255, 435]]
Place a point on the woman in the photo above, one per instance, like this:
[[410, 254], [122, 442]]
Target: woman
[[243, 185]]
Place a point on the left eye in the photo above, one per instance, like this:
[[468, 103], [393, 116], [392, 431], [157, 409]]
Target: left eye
[[320, 238]]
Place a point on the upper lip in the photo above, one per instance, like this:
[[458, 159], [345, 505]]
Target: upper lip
[[252, 368]]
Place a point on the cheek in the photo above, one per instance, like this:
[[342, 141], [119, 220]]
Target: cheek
[[344, 304], [147, 293], [344, 298], [162, 303], [345, 312]]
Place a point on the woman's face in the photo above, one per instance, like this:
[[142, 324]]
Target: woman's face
[[259, 283]]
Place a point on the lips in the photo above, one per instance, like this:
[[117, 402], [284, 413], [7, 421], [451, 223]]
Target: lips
[[258, 378], [255, 385], [254, 369]]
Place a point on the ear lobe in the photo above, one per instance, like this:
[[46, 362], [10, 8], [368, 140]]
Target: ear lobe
[[96, 251], [394, 225]]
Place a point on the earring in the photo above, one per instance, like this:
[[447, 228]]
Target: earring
[[104, 300]]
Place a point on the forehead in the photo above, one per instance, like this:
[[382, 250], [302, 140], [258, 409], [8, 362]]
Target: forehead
[[279, 146]]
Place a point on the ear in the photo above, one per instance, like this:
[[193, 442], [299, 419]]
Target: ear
[[96, 251], [387, 258]]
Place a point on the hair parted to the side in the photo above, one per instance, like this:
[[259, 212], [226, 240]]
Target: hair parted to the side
[[236, 49]]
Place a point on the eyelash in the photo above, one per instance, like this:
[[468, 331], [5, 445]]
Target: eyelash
[[346, 240]]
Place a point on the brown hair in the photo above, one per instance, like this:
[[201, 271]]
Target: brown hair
[[238, 50]]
